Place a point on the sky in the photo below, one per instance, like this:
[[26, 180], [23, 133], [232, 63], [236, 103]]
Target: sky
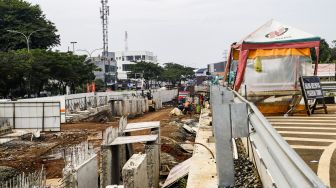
[[190, 32]]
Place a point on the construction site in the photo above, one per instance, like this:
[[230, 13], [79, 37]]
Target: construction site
[[268, 119]]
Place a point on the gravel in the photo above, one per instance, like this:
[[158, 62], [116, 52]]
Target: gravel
[[246, 175]]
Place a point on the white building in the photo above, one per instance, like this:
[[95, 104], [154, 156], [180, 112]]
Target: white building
[[126, 58], [108, 68]]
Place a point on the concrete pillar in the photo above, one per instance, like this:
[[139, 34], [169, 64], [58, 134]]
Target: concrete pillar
[[113, 108], [153, 164], [143, 104], [105, 166], [120, 108], [135, 172], [139, 109], [115, 165], [146, 105], [111, 157], [124, 107]]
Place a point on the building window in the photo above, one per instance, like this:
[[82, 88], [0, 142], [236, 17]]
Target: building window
[[138, 58], [126, 67], [110, 68], [129, 58]]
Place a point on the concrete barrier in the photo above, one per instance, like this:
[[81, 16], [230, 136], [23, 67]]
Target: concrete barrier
[[134, 172], [81, 170], [74, 103]]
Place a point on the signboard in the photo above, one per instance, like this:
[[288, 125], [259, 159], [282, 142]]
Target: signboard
[[312, 90], [312, 87]]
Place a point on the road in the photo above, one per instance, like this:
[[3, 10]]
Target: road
[[314, 139]]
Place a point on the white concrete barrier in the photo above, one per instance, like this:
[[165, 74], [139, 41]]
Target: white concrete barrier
[[74, 103]]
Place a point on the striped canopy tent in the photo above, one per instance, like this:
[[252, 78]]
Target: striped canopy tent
[[272, 58]]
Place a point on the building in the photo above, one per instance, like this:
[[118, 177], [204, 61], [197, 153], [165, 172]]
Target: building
[[126, 58], [201, 75], [216, 68], [108, 68]]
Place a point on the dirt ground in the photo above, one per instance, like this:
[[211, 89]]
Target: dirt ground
[[27, 156]]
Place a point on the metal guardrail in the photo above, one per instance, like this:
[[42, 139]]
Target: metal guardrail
[[277, 163]]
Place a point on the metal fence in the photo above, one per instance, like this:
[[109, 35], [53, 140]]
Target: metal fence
[[43, 116]]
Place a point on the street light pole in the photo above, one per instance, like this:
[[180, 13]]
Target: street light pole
[[88, 52], [73, 46], [26, 37]]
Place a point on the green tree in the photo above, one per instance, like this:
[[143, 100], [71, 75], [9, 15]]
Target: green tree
[[24, 17], [149, 71], [175, 73], [12, 73], [24, 73]]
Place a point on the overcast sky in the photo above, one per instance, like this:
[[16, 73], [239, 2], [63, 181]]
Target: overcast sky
[[190, 32]]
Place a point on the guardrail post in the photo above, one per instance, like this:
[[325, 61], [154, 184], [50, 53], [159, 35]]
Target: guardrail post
[[223, 134]]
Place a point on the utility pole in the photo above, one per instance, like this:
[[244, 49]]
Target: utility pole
[[104, 13], [73, 46], [126, 41]]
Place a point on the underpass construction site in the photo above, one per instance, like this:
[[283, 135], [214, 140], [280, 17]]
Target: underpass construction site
[[267, 121], [229, 143]]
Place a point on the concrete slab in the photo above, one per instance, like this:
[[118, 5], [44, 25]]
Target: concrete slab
[[134, 139], [142, 125], [87, 173], [178, 172], [135, 172], [203, 172]]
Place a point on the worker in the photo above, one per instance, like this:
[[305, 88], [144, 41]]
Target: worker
[[201, 99], [187, 107]]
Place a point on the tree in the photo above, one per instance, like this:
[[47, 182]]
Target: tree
[[24, 73], [175, 73], [149, 71], [12, 73], [24, 17]]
